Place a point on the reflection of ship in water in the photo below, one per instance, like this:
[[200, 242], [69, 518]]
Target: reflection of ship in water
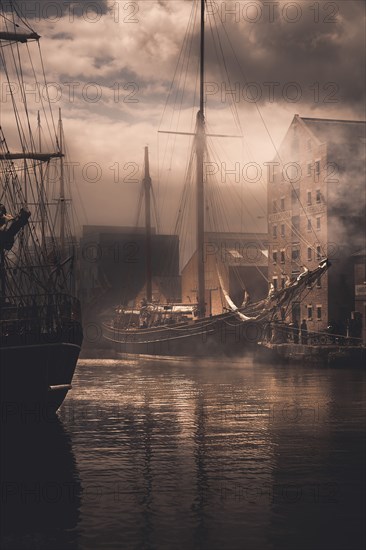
[[202, 478], [40, 488]]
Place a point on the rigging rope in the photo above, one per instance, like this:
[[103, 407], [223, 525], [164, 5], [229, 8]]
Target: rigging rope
[[216, 14]]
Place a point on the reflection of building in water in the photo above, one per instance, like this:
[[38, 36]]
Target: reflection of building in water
[[316, 209], [42, 497], [239, 259], [318, 460]]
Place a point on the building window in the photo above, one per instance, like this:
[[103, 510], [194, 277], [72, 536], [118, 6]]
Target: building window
[[282, 203], [294, 195], [310, 312], [282, 229], [309, 169], [310, 254], [283, 282], [318, 312], [282, 256], [317, 167], [309, 225], [295, 253], [318, 283], [295, 222], [274, 206], [309, 198], [274, 231], [274, 256], [318, 253], [318, 223], [275, 283], [318, 196]]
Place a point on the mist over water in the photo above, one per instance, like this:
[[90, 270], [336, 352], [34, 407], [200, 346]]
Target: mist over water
[[164, 454]]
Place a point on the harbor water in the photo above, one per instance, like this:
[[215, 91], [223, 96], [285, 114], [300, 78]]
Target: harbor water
[[170, 454]]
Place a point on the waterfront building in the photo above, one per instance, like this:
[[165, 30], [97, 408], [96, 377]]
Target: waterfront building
[[316, 209]]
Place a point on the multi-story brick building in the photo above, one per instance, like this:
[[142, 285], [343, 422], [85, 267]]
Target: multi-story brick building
[[316, 209], [239, 259]]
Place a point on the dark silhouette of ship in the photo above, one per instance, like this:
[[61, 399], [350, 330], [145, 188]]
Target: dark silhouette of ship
[[40, 322]]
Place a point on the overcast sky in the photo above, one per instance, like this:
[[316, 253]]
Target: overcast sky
[[112, 63]]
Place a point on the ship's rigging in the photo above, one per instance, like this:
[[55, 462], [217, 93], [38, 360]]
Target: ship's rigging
[[209, 215], [40, 325]]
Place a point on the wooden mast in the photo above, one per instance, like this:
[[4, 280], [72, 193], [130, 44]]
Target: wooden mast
[[42, 201], [147, 187], [200, 151], [62, 190]]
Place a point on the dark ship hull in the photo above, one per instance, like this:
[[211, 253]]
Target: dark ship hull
[[36, 372], [35, 379], [220, 335]]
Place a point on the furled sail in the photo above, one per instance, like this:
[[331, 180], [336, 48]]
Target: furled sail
[[229, 301]]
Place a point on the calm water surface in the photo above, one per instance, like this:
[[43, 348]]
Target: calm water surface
[[161, 454]]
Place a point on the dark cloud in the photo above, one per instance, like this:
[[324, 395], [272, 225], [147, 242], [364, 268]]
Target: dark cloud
[[322, 52], [323, 58]]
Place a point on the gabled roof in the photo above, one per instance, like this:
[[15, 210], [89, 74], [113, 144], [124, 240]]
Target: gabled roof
[[337, 131], [342, 137]]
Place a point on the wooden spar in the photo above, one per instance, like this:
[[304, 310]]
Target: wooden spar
[[147, 187], [193, 134], [42, 157], [19, 37], [200, 151]]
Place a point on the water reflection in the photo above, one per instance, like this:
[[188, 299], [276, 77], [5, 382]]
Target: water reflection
[[41, 491], [219, 455], [174, 455]]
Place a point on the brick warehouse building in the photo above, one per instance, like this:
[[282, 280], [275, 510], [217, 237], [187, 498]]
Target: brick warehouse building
[[316, 208], [242, 261]]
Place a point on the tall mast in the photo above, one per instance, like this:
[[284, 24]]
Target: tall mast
[[42, 205], [200, 151], [147, 186], [62, 189]]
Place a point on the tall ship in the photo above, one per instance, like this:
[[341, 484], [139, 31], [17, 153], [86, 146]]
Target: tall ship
[[40, 320], [192, 329]]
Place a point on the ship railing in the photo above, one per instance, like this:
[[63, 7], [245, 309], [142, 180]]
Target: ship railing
[[280, 332], [45, 312]]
